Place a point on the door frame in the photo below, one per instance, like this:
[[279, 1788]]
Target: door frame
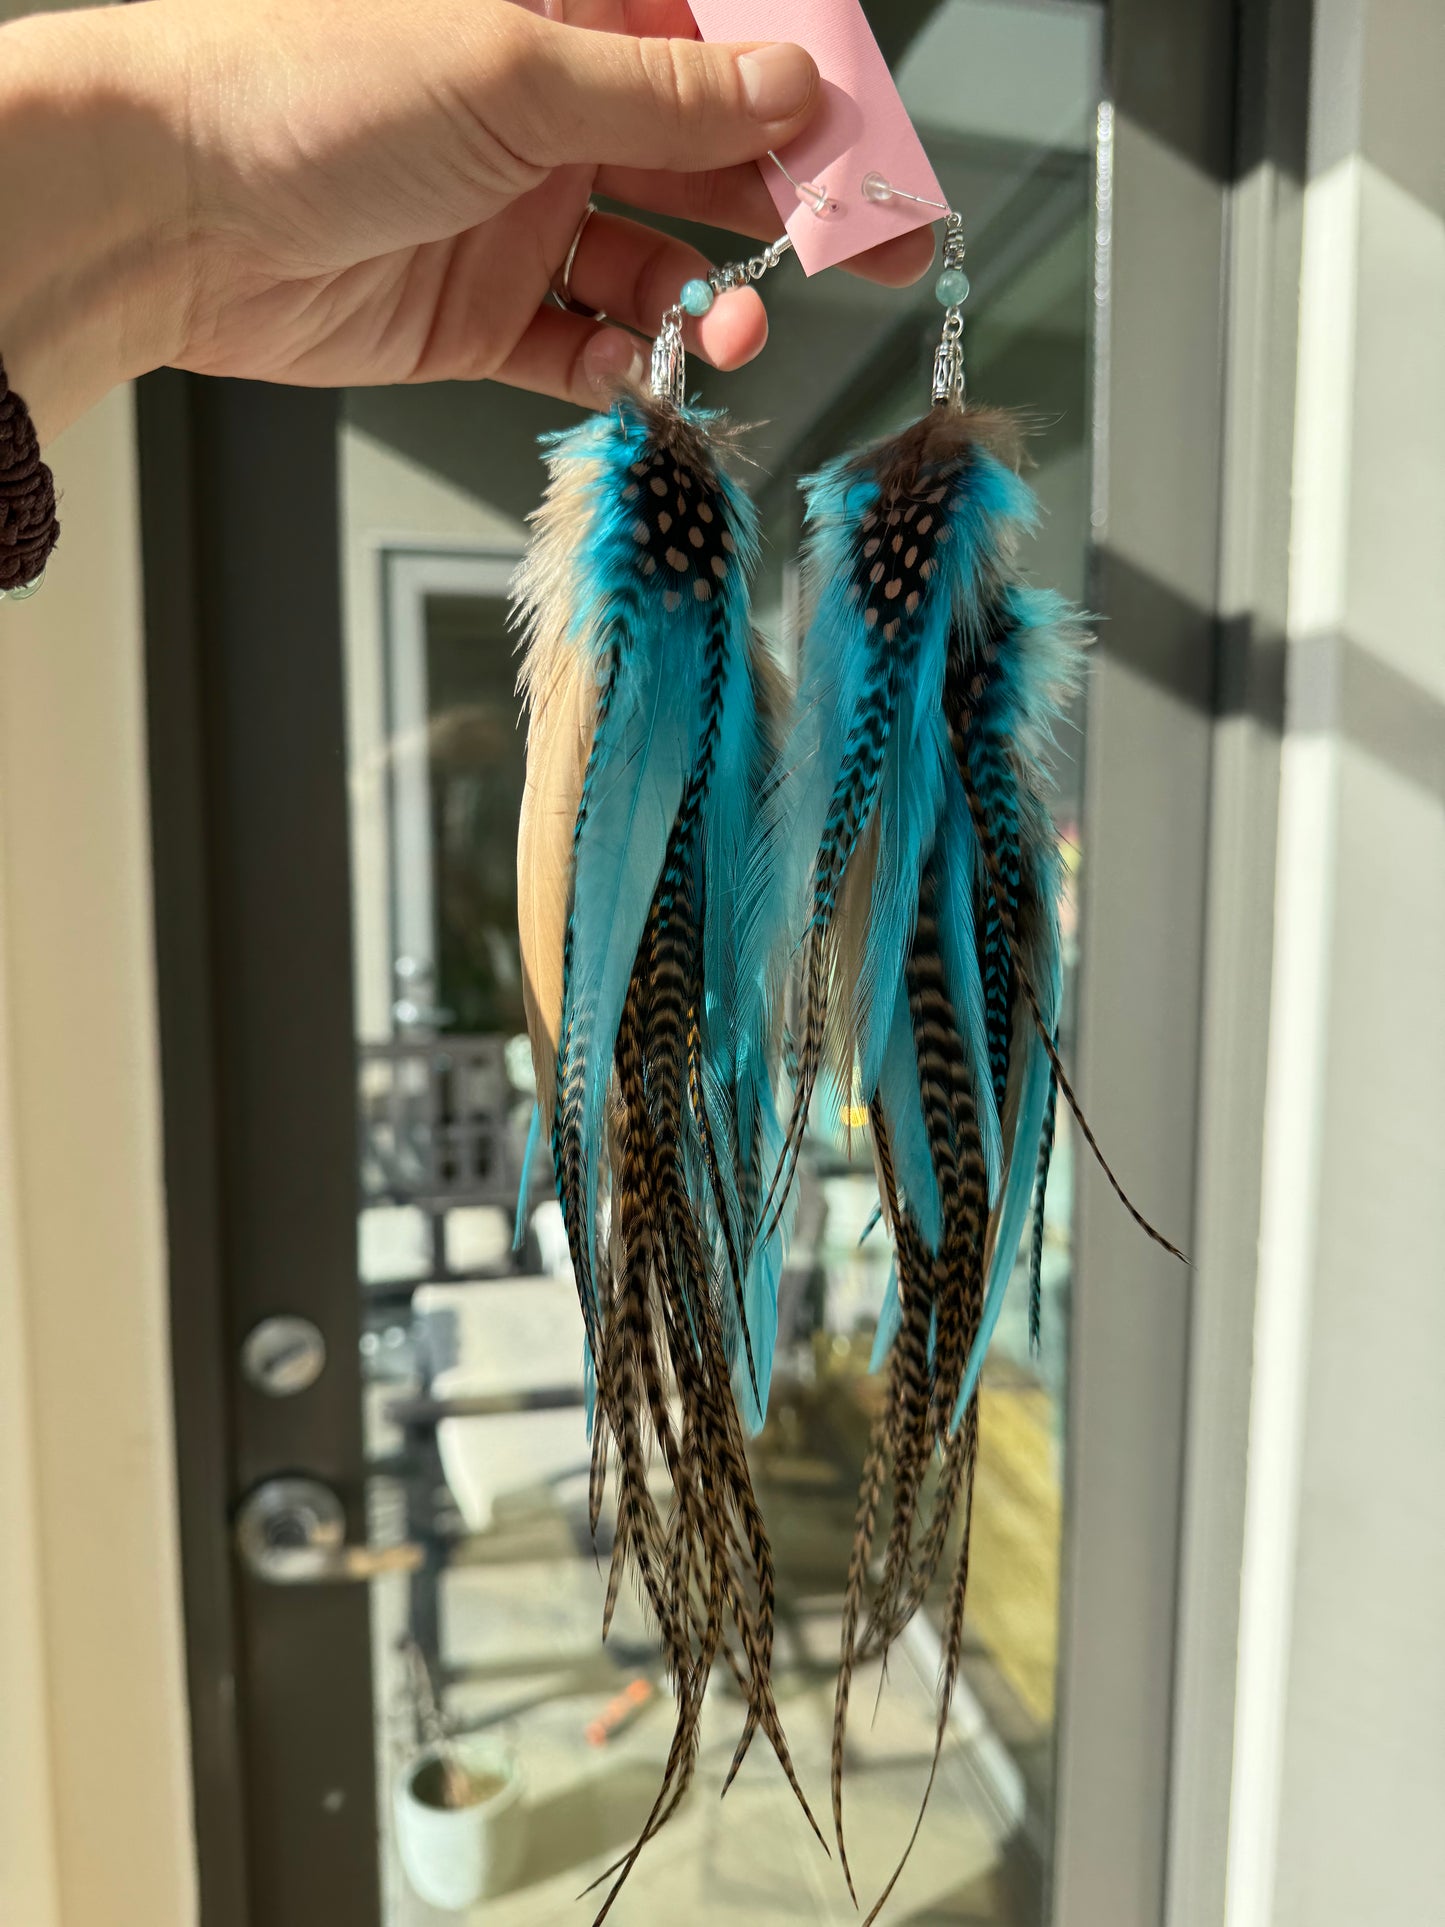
[[253, 929], [251, 853], [1203, 157]]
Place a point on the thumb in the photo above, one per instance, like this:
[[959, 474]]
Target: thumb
[[579, 95]]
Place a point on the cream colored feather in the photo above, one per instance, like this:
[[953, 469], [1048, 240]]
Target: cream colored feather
[[561, 697], [559, 739]]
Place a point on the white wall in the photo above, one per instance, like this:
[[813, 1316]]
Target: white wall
[[95, 1825], [1340, 1736]]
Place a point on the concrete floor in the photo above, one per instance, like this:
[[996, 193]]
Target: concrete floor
[[750, 1858], [520, 1632]]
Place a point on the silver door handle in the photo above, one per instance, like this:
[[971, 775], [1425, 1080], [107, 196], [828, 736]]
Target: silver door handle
[[292, 1532]]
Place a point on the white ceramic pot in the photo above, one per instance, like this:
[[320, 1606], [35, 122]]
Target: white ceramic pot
[[456, 1856]]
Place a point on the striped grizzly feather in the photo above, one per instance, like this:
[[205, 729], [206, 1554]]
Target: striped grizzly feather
[[647, 748]]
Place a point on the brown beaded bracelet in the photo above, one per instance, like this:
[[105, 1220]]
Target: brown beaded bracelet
[[28, 528]]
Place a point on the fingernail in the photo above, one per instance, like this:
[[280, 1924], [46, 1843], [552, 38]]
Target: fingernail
[[778, 81], [609, 358]]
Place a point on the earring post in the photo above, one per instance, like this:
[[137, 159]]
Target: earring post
[[877, 188], [808, 191]]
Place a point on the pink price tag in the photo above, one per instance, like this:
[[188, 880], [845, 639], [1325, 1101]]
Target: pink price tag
[[861, 128]]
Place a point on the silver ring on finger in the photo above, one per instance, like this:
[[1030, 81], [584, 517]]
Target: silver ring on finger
[[562, 285]]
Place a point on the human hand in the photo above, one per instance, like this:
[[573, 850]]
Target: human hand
[[363, 191]]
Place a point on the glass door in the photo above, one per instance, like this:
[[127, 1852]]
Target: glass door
[[471, 1348], [404, 1709]]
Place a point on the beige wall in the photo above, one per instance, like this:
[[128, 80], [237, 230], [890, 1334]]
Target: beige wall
[[95, 1826]]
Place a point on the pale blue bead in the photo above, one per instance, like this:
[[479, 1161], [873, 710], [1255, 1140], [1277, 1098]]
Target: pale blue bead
[[696, 297], [26, 589], [951, 287]]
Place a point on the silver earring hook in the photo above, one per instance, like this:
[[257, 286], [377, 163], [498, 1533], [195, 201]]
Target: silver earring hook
[[878, 189], [950, 289], [669, 359]]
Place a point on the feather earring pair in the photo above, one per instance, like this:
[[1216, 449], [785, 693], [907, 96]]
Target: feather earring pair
[[701, 861]]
